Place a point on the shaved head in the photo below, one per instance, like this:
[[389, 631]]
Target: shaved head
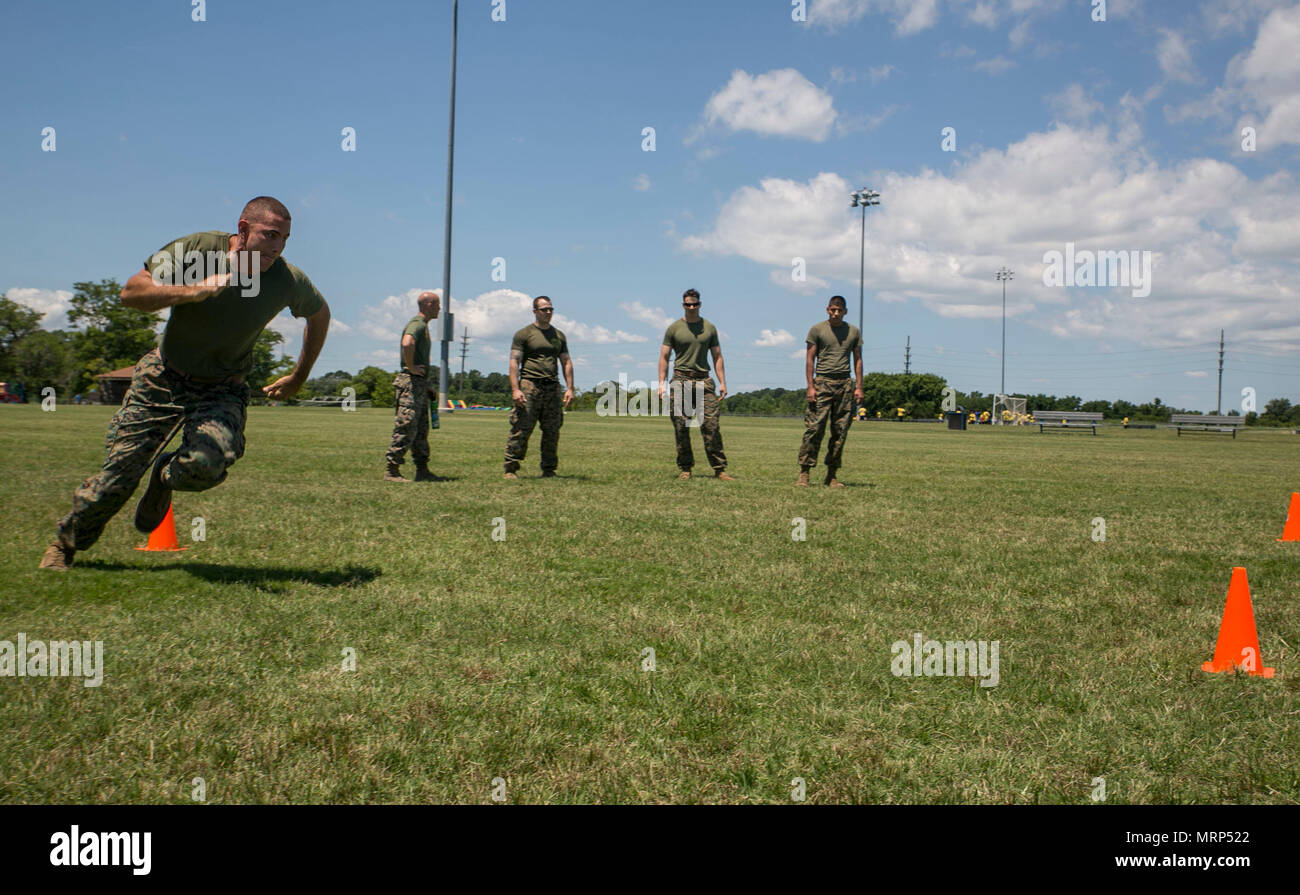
[[429, 303], [263, 207]]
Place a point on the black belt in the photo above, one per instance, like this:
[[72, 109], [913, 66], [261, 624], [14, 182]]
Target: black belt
[[691, 374], [831, 376], [535, 381]]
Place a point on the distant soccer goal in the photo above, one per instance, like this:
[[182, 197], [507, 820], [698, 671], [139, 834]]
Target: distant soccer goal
[[1008, 410]]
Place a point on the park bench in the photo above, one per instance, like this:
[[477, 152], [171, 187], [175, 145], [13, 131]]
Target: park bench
[[1067, 420], [1217, 425], [334, 401]]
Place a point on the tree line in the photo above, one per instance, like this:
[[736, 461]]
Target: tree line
[[106, 335]]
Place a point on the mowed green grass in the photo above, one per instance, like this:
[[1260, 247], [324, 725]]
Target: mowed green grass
[[522, 659]]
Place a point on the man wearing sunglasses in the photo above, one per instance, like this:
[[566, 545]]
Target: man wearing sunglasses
[[535, 353], [693, 339]]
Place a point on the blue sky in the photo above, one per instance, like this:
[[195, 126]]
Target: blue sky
[[1115, 135]]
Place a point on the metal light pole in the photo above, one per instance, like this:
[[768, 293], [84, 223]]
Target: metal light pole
[[447, 334], [863, 198], [1003, 274]]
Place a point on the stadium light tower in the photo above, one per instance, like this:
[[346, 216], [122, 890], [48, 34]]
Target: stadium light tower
[[1003, 274], [863, 198]]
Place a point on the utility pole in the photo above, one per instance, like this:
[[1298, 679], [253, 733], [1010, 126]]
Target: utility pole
[[1218, 402], [464, 352], [448, 334], [907, 356]]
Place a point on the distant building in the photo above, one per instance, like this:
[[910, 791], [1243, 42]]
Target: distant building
[[113, 385]]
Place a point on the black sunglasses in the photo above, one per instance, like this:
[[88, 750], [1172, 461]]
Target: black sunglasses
[[544, 309], [690, 304]]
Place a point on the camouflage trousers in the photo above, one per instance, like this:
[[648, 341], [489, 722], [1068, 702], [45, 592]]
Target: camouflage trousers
[[411, 420], [834, 404], [679, 390], [544, 403], [212, 416]]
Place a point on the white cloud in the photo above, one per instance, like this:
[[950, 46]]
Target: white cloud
[[641, 183], [995, 66], [908, 16], [781, 103], [53, 303], [1073, 105], [810, 284], [1195, 374], [875, 74], [912, 16], [1262, 85], [655, 317], [384, 358], [1174, 57], [1223, 246], [1221, 16], [387, 319], [769, 339]]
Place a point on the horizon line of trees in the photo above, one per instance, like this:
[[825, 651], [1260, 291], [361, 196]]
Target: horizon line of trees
[[105, 335]]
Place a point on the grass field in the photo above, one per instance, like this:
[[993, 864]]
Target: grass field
[[522, 659]]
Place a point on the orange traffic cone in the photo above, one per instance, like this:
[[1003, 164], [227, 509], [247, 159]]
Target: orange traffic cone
[[1238, 645], [1291, 531], [164, 536]]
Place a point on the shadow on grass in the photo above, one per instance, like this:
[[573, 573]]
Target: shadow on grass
[[255, 576], [573, 477]]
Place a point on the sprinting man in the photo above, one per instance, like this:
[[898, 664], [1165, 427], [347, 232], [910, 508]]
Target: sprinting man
[[694, 339], [535, 354], [411, 418], [832, 392], [194, 379]]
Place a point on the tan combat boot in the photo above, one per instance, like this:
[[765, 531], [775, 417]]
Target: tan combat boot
[[57, 558], [394, 474]]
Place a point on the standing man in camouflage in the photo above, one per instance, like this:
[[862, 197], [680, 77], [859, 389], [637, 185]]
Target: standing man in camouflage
[[535, 353], [194, 379], [694, 339], [411, 425], [831, 392]]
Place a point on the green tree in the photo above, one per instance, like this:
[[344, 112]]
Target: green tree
[[41, 359], [16, 321], [265, 363], [329, 385], [109, 334], [377, 385], [1276, 411]]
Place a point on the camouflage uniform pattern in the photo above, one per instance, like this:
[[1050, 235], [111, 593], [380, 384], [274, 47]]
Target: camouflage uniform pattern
[[544, 403], [834, 404], [411, 420], [681, 386], [213, 417]]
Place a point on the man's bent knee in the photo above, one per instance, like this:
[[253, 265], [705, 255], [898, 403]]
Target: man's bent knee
[[200, 469]]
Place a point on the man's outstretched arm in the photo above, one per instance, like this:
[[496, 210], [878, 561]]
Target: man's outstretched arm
[[143, 294], [313, 339]]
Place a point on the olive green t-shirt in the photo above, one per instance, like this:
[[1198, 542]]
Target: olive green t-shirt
[[691, 342], [214, 338], [419, 330], [834, 347], [541, 349]]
